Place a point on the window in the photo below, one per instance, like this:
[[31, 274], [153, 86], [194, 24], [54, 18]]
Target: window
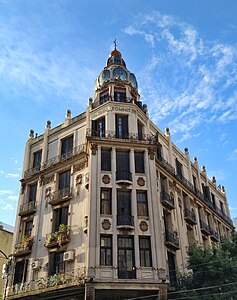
[[32, 192], [64, 180], [60, 217], [163, 183], [106, 160], [124, 203], [106, 250], [179, 168], [56, 263], [139, 130], [105, 201], [126, 258], [139, 162], [145, 251], [67, 146], [172, 268], [98, 127], [213, 200], [37, 159], [159, 151], [195, 183], [28, 228], [122, 161], [142, 205], [121, 126], [206, 192], [20, 271], [119, 95], [104, 96]]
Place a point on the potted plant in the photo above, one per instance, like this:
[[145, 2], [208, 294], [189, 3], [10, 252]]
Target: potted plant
[[62, 233]]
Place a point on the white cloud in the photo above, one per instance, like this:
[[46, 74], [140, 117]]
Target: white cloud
[[149, 38], [12, 197], [8, 207], [12, 175], [2, 172], [6, 192], [233, 155]]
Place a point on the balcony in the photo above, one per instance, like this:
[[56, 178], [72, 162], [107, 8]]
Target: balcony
[[23, 248], [214, 235], [125, 221], [58, 238], [205, 229], [126, 274], [63, 157], [167, 200], [172, 240], [61, 196], [124, 177], [27, 208], [53, 287], [190, 216], [166, 165], [131, 137], [32, 171]]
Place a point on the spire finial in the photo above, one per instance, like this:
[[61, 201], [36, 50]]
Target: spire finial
[[115, 44]]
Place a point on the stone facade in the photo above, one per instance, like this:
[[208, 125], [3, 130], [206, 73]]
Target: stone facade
[[109, 204]]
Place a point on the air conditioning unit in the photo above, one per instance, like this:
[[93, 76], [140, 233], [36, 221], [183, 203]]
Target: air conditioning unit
[[35, 265], [69, 255]]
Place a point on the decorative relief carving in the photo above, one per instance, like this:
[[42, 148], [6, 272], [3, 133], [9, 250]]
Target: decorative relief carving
[[48, 195], [106, 225], [106, 179], [47, 180], [151, 153], [143, 226], [140, 181], [93, 149], [78, 183], [80, 166]]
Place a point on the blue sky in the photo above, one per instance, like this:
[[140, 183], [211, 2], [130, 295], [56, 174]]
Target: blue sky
[[183, 52]]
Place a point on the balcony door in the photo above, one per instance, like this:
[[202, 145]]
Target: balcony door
[[126, 258], [123, 166], [124, 208]]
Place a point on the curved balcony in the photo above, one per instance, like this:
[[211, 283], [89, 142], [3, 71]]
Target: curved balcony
[[205, 229], [167, 200], [23, 248], [27, 208], [125, 221], [172, 240], [189, 216], [124, 177], [61, 196], [57, 238]]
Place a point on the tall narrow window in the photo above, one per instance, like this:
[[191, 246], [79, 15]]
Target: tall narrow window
[[64, 180], [106, 250], [98, 127], [105, 159], [195, 183], [121, 126], [37, 159], [56, 263], [159, 151], [60, 217], [139, 130], [145, 251], [32, 192], [142, 205], [163, 183], [206, 192], [28, 228], [67, 146], [123, 166], [105, 201], [139, 162], [126, 258], [20, 271], [179, 168]]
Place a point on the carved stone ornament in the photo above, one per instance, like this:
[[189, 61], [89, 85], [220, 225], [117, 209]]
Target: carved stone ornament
[[48, 180], [80, 166], [143, 226], [140, 181], [106, 179], [151, 153], [78, 180], [48, 192], [23, 186], [93, 149], [106, 224]]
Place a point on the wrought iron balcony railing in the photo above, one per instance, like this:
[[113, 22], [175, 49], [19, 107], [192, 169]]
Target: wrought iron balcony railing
[[172, 240], [167, 200], [214, 235], [132, 137], [166, 165], [27, 208], [205, 228], [123, 176], [57, 238], [190, 216], [52, 283], [125, 220], [23, 248], [60, 196]]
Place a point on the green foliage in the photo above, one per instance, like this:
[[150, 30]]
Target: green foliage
[[212, 273]]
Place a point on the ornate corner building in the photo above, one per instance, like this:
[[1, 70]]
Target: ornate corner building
[[108, 204]]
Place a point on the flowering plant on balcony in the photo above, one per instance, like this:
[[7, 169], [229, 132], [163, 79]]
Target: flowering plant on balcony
[[27, 241]]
